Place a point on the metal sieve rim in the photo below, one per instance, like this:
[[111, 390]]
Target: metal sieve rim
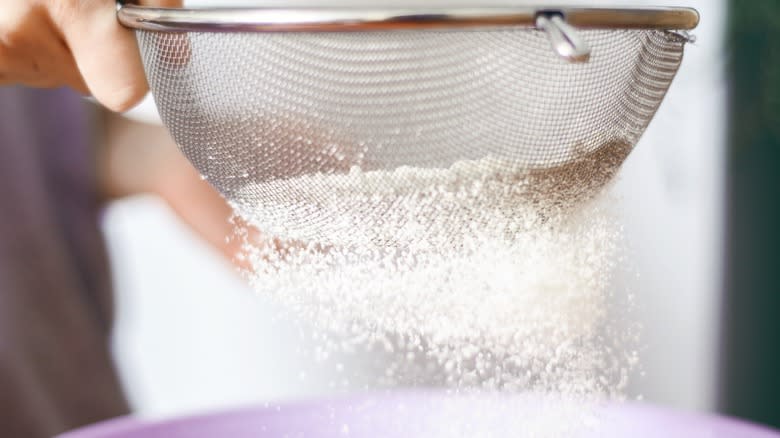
[[391, 18]]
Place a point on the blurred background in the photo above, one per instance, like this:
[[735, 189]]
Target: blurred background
[[699, 202]]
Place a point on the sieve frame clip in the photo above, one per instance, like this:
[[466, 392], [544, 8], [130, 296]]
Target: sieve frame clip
[[564, 38]]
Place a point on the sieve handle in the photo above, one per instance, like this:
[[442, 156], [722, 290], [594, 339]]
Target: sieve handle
[[565, 40]]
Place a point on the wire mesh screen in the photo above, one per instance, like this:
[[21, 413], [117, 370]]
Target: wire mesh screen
[[284, 121]]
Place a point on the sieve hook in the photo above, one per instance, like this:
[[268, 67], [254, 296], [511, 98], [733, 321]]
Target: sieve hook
[[565, 40]]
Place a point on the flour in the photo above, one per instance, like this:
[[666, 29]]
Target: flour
[[478, 275]]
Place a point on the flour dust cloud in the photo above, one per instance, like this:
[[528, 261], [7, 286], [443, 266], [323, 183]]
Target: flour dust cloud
[[479, 276]]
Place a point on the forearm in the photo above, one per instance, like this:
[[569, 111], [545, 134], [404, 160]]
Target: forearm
[[139, 158]]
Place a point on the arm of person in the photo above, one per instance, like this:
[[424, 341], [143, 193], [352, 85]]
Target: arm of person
[[141, 158], [75, 43]]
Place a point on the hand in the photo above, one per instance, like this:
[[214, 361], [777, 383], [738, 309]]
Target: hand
[[75, 43]]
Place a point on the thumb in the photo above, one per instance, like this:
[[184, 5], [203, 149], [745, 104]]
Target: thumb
[[106, 53]]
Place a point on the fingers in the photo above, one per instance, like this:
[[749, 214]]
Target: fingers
[[79, 43], [32, 52]]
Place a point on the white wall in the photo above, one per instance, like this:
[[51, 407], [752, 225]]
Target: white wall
[[673, 200], [190, 336]]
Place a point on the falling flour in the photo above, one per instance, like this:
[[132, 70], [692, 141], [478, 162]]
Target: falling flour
[[479, 275]]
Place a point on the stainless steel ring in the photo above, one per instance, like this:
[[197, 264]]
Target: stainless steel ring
[[374, 19]]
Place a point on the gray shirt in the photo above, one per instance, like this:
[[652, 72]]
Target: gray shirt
[[55, 295]]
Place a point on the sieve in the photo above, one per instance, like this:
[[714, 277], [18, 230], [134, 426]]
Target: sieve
[[283, 109]]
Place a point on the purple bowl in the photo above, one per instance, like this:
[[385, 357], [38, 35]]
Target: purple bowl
[[431, 414]]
